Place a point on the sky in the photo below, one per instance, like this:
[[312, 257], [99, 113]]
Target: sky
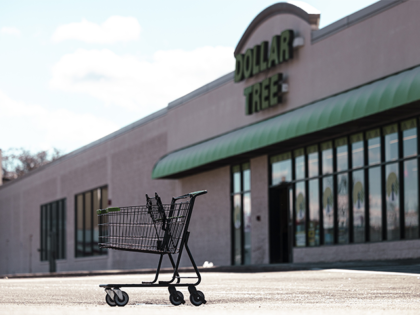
[[72, 72]]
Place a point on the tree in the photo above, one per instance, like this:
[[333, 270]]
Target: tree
[[18, 162]]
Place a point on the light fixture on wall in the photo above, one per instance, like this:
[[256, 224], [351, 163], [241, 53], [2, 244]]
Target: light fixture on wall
[[298, 42]]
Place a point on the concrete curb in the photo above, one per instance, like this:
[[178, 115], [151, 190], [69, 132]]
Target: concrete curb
[[357, 265], [245, 269]]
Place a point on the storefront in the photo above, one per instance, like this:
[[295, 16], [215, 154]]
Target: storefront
[[309, 151]]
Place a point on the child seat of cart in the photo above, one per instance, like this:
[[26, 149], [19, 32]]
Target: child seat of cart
[[156, 211]]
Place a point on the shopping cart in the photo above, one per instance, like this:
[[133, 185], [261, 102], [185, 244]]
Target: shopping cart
[[155, 228]]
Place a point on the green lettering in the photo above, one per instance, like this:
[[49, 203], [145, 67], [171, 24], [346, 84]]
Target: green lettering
[[256, 60], [248, 64], [286, 45], [274, 89], [265, 92], [256, 97], [239, 67], [273, 60], [263, 55], [248, 100]]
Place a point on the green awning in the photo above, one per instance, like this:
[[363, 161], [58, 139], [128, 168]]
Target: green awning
[[372, 98]]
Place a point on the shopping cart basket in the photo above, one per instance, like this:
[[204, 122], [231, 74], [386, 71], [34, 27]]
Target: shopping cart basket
[[154, 228]]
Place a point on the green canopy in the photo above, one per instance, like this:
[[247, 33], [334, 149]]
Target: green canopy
[[372, 98]]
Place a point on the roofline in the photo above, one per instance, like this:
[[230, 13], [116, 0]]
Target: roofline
[[100, 141], [275, 9], [162, 112], [202, 90], [317, 35], [354, 18]]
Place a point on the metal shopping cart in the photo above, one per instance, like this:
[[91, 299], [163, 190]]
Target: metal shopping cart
[[155, 228]]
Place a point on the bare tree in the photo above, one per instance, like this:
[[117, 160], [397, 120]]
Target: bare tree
[[18, 162]]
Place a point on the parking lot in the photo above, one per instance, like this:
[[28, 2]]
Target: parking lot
[[330, 291]]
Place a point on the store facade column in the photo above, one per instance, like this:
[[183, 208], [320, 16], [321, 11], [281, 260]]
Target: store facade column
[[259, 206]]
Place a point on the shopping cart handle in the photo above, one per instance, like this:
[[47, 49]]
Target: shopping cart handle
[[192, 194], [197, 193]]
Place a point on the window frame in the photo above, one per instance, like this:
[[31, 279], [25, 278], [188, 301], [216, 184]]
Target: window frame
[[46, 224], [101, 251], [349, 171], [241, 192]]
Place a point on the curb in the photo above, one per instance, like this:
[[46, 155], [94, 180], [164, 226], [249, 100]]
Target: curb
[[238, 269], [358, 265]]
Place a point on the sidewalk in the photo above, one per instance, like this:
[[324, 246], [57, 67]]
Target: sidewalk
[[404, 265]]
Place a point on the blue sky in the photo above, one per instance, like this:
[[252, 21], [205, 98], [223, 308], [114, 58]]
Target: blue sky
[[71, 72]]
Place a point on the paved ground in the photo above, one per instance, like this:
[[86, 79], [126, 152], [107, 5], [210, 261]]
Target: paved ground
[[331, 291]]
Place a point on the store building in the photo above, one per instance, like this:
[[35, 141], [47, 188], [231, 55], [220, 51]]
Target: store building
[[309, 151]]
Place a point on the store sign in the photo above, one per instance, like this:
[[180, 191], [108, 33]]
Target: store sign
[[264, 94]]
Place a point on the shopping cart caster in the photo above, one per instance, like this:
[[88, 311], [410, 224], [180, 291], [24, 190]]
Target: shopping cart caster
[[175, 297], [122, 302], [196, 297], [110, 301], [116, 297]]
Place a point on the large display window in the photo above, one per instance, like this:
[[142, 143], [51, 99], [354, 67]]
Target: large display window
[[354, 189], [53, 230], [241, 214], [87, 229]]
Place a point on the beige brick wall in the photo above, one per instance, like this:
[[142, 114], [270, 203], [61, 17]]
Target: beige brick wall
[[259, 207]]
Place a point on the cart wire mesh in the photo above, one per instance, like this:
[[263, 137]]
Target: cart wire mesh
[[153, 228]]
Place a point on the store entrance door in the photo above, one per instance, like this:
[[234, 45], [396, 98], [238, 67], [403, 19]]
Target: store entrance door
[[280, 225]]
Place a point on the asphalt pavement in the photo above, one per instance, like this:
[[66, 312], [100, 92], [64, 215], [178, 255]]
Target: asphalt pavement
[[326, 291]]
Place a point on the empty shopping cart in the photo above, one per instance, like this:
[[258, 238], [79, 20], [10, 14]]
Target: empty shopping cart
[[154, 228]]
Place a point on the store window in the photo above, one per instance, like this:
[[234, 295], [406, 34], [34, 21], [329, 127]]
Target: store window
[[87, 229], [300, 199], [53, 230], [313, 160], [299, 164], [392, 182], [358, 206], [343, 219], [373, 138], [391, 142], [281, 168], [241, 214], [411, 205], [327, 158], [342, 154], [313, 194], [328, 209], [327, 193], [359, 188], [357, 150]]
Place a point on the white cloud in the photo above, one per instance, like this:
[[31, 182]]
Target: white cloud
[[136, 84], [115, 29], [35, 127], [10, 31]]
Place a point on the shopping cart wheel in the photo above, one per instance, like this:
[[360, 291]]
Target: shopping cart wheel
[[177, 298], [197, 298], [110, 301], [124, 300]]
